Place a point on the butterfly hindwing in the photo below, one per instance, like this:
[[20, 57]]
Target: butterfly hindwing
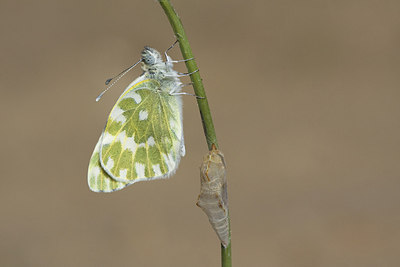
[[98, 179]]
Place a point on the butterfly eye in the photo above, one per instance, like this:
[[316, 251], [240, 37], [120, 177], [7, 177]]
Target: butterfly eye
[[148, 60]]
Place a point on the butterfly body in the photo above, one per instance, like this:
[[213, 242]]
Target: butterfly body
[[143, 137]]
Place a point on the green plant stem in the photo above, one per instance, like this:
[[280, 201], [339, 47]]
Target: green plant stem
[[191, 65], [208, 126]]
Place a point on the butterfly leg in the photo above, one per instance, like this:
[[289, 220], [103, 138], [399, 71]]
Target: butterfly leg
[[182, 60], [168, 59], [186, 84], [180, 74], [186, 74], [169, 48], [184, 93]]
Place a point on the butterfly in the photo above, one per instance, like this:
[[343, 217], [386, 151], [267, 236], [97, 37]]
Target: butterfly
[[143, 137]]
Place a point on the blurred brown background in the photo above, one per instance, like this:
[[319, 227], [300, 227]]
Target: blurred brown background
[[305, 99]]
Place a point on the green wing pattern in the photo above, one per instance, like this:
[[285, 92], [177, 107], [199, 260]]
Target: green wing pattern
[[98, 179], [142, 140]]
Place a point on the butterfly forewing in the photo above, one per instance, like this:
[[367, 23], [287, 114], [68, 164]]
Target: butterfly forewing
[[143, 136]]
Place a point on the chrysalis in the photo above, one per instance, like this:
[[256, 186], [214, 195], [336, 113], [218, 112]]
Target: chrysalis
[[213, 198]]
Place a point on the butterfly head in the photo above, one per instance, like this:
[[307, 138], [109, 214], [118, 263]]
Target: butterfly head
[[150, 56]]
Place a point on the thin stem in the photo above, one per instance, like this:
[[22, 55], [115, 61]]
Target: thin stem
[[226, 257], [191, 65], [208, 126]]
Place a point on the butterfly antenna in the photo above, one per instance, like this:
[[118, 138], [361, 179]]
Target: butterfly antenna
[[116, 79]]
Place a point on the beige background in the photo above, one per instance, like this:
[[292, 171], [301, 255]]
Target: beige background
[[305, 99]]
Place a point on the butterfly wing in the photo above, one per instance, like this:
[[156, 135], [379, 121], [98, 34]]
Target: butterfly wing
[[142, 140], [98, 179]]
